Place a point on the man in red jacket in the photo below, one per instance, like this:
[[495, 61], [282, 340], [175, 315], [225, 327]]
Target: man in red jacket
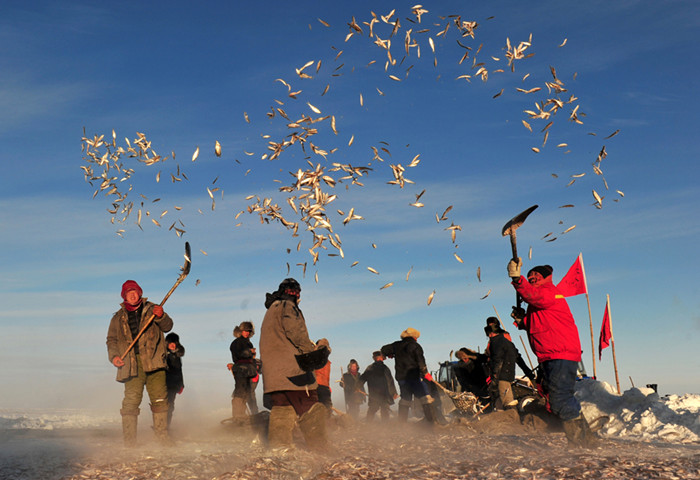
[[554, 339]]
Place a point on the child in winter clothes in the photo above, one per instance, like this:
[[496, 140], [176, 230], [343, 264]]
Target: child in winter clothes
[[173, 376]]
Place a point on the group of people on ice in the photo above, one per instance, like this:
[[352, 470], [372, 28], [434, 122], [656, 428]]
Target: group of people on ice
[[295, 370]]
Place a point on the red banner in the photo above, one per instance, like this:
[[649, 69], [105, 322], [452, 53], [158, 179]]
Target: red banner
[[574, 282], [605, 333]]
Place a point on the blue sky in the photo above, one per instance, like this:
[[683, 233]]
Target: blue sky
[[184, 75]]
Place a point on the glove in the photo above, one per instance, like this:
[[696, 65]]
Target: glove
[[514, 267], [181, 390], [229, 366], [518, 314], [428, 377], [255, 378], [157, 311]]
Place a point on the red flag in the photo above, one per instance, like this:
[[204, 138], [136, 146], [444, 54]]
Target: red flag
[[605, 333], [574, 282]]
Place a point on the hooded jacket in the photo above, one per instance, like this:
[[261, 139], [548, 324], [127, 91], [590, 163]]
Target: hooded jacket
[[152, 348], [550, 326], [283, 335]]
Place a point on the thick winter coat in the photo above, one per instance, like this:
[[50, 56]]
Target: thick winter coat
[[550, 326], [174, 379], [243, 359], [283, 334], [502, 356], [409, 360], [472, 375], [352, 388], [152, 348], [380, 383]]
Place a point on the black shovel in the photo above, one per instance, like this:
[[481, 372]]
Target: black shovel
[[509, 229]]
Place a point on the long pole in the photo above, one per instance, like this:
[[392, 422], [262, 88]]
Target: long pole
[[612, 344], [497, 315], [590, 317], [185, 270]]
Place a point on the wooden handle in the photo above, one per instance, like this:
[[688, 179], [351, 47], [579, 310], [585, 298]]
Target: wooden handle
[[136, 339]]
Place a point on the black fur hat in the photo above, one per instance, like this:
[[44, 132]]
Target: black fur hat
[[172, 337], [289, 284], [493, 328]]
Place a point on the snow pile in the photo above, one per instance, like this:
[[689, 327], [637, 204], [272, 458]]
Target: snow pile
[[63, 418], [640, 414]]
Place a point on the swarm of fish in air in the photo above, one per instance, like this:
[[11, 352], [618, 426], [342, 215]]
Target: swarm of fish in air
[[306, 203]]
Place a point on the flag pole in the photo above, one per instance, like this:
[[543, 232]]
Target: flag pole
[[590, 317], [612, 344]]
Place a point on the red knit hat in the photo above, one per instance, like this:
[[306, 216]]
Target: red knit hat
[[131, 285]]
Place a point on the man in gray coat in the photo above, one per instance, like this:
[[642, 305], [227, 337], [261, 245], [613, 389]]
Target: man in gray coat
[[291, 390], [145, 364]]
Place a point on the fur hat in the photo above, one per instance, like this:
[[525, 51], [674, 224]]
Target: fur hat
[[131, 285], [493, 320], [289, 284], [493, 328], [544, 270], [410, 332], [172, 337], [244, 327]]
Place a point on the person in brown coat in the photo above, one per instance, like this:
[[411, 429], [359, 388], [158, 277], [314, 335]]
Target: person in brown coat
[[145, 364], [291, 390]]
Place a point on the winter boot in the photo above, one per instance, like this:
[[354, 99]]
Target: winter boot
[[429, 415], [313, 426], [590, 439], [578, 433], [238, 409], [160, 427], [403, 413], [129, 424], [281, 426]]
